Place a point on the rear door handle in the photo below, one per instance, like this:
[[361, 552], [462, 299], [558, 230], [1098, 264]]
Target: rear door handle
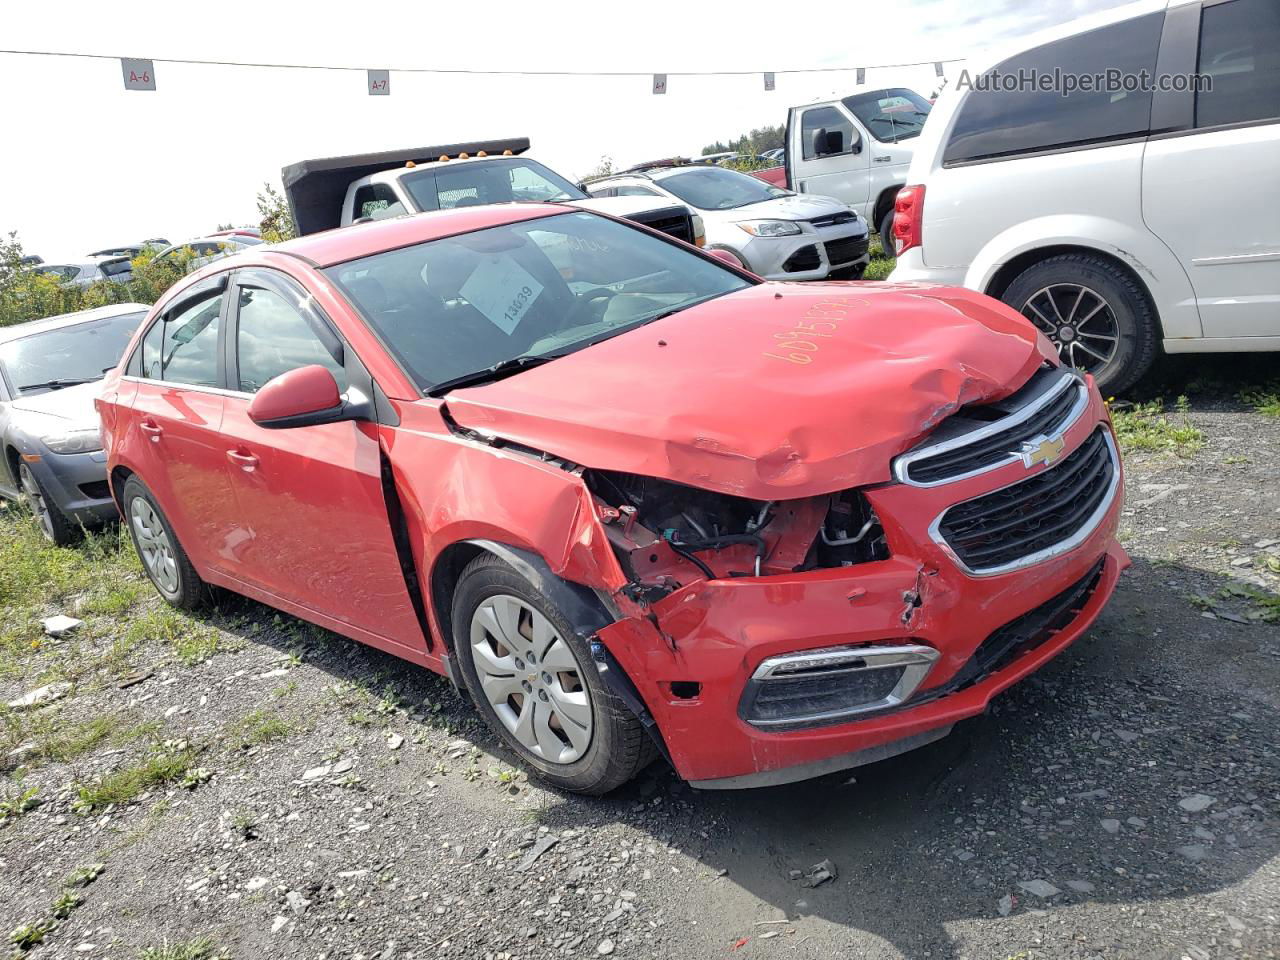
[[245, 461], [149, 426]]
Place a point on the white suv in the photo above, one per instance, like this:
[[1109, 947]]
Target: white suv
[[1120, 219]]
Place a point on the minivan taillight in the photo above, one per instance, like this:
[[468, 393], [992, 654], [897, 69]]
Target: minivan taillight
[[908, 218]]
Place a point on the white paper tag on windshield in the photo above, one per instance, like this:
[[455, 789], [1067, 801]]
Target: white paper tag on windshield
[[503, 291]]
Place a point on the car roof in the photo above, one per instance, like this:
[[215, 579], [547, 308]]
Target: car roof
[[20, 330], [328, 247]]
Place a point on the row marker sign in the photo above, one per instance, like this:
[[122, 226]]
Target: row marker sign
[[138, 74]]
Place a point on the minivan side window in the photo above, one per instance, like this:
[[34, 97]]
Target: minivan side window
[[834, 121], [273, 337], [183, 347], [998, 123], [1240, 57]]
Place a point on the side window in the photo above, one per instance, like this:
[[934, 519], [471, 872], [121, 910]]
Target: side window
[[273, 338], [1240, 57], [376, 201], [635, 190], [840, 134], [996, 122], [184, 347]]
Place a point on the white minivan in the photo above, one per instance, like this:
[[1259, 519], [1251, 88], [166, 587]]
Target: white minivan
[[1140, 214]]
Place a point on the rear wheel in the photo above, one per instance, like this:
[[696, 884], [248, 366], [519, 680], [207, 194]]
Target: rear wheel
[[886, 235], [1094, 313], [56, 526], [536, 685], [162, 556]]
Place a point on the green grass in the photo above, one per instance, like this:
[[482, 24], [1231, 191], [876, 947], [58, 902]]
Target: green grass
[[881, 264], [259, 727], [162, 767], [201, 948], [1265, 400], [14, 806], [1148, 426], [192, 641]]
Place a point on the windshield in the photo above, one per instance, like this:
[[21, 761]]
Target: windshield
[[68, 355], [460, 305], [715, 188], [498, 181], [890, 115]]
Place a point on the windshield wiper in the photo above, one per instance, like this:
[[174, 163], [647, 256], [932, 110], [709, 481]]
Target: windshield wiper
[[499, 370], [59, 383]]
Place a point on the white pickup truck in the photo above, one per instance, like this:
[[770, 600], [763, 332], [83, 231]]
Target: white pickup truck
[[855, 148], [340, 191]]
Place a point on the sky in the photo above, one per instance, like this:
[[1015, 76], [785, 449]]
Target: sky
[[88, 164]]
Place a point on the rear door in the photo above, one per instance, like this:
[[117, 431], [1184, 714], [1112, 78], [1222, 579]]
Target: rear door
[[832, 155], [1212, 193], [174, 418], [312, 523]]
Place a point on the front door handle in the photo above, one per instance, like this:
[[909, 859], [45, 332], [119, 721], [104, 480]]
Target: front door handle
[[151, 428], [245, 461]]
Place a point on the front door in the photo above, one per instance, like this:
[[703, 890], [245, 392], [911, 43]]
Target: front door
[[834, 156], [313, 526], [174, 421], [1213, 195]]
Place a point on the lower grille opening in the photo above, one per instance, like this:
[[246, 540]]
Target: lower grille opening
[[846, 250], [1032, 629]]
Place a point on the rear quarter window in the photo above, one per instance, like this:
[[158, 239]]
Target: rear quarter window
[[1017, 118]]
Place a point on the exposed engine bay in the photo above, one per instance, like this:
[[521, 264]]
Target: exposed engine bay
[[667, 534]]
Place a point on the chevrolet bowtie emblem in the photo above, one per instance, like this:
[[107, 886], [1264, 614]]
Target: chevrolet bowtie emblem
[[1041, 450]]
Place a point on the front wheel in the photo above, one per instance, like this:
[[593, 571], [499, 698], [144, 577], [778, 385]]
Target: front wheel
[[56, 526], [536, 685], [1094, 313]]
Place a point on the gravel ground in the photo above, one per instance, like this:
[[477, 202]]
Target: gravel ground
[[331, 802]]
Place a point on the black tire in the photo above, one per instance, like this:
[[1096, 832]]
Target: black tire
[[188, 592], [56, 526], [1133, 321], [619, 747], [886, 235]]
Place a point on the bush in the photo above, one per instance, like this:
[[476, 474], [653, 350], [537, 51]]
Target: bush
[[26, 294]]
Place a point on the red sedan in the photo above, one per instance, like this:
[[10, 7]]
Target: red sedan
[[634, 500]]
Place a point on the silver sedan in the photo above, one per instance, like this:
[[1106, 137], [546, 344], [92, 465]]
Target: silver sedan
[[49, 439]]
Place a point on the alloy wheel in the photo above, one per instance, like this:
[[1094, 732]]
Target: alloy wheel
[[1078, 321], [154, 545], [35, 500], [531, 679]]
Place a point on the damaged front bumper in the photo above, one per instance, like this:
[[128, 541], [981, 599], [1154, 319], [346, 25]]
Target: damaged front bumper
[[745, 676]]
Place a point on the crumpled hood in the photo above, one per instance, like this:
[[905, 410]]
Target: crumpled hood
[[69, 403], [777, 391]]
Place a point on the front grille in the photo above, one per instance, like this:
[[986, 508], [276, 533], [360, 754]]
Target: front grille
[[1012, 525], [678, 225], [845, 251], [96, 490], [834, 219], [806, 258], [975, 438]]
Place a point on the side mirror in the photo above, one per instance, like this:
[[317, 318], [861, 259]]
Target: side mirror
[[724, 256], [818, 142], [299, 398], [856, 146]]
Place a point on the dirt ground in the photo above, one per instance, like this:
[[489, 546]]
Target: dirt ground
[[252, 787]]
